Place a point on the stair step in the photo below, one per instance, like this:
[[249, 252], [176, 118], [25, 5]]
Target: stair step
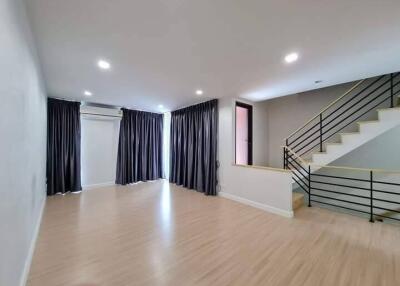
[[397, 108], [330, 147], [387, 214], [389, 114], [368, 122], [297, 200], [349, 133], [345, 136], [333, 144]]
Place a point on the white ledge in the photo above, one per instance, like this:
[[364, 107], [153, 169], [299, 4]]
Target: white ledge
[[262, 168]]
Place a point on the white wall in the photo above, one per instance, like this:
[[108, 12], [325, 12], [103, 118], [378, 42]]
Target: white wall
[[22, 143], [261, 187], [99, 145]]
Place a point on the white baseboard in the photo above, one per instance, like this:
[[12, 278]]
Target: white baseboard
[[94, 186], [274, 210], [28, 261]]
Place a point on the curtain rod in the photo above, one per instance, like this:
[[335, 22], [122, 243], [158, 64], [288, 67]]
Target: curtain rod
[[87, 103], [65, 99], [93, 104], [194, 104]]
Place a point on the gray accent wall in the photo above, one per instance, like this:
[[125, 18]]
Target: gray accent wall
[[260, 134], [22, 142]]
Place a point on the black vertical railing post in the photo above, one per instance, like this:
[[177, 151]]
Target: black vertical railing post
[[371, 178], [287, 154], [284, 158], [309, 186], [391, 91], [320, 132]]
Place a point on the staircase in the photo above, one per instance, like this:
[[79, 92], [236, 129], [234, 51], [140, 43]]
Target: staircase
[[363, 113], [297, 201], [388, 118]]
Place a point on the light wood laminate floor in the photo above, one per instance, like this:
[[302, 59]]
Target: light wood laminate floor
[[159, 234]]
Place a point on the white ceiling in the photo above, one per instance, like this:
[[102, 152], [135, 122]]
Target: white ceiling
[[161, 51]]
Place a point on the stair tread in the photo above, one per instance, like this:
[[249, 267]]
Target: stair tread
[[397, 108], [296, 196], [368, 121], [349, 133], [297, 200]]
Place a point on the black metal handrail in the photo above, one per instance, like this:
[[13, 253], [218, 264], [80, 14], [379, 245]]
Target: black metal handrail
[[359, 102], [343, 192]]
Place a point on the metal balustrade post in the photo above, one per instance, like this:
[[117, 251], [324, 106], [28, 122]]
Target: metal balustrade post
[[391, 91], [320, 132], [287, 155], [309, 186], [371, 177], [284, 158]]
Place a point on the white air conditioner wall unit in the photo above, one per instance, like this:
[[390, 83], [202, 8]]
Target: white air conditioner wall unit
[[100, 112]]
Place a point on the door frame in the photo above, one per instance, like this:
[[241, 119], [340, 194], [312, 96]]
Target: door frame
[[249, 130]]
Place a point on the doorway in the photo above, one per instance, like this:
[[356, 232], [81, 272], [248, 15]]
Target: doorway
[[243, 134]]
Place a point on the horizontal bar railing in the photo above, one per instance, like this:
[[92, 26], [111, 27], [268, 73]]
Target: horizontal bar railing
[[358, 102], [319, 139], [326, 108], [358, 190]]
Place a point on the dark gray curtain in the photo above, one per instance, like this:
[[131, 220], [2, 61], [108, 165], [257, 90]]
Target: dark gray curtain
[[63, 147], [140, 147], [194, 147]]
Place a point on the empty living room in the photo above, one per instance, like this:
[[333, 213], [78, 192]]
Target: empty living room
[[198, 143]]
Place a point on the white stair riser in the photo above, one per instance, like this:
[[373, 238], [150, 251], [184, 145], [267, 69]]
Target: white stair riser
[[369, 127], [393, 114], [348, 139], [333, 148], [378, 128]]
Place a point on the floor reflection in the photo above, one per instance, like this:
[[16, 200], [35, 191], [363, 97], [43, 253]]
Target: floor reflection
[[165, 205]]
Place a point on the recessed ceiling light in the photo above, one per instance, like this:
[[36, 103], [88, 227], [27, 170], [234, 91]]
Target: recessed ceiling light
[[87, 93], [160, 106], [104, 64], [292, 57], [199, 92]]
